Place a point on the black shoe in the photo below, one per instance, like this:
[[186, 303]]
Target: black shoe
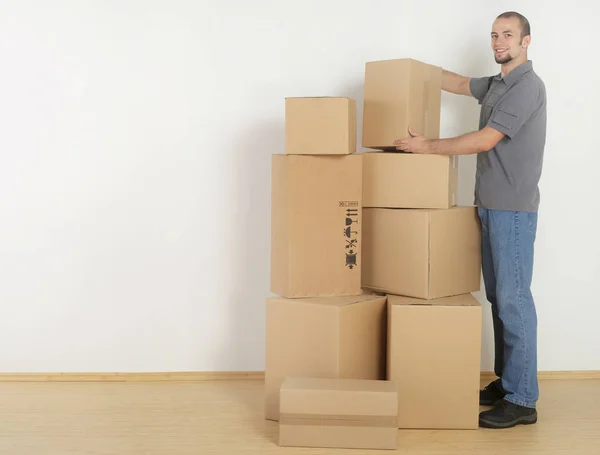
[[491, 395], [507, 415]]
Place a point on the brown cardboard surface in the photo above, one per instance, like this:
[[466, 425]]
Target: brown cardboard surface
[[327, 337], [421, 253], [342, 413], [320, 126], [434, 350], [400, 93], [316, 230], [406, 180]]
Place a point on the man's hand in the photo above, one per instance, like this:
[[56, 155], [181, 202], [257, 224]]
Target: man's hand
[[416, 143], [476, 142]]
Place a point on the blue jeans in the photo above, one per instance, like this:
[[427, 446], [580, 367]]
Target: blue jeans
[[507, 264]]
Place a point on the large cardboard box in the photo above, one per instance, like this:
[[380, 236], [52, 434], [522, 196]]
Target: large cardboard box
[[434, 352], [400, 93], [338, 413], [316, 225], [320, 126], [406, 180], [332, 337], [423, 253]]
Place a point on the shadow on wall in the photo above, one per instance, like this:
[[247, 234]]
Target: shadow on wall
[[250, 271], [460, 115]]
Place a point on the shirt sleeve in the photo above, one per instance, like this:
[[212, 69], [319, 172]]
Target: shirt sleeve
[[479, 87], [516, 107]]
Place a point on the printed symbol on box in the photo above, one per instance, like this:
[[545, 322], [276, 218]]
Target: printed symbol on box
[[351, 243], [349, 221], [351, 259], [348, 232], [352, 212]]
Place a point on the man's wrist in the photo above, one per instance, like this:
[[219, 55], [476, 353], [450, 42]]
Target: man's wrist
[[433, 146]]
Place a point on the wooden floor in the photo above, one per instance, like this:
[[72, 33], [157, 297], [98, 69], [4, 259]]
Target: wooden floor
[[226, 418]]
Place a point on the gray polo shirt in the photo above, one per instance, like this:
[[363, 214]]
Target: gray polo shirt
[[507, 176]]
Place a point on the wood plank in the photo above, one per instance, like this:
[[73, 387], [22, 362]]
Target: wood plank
[[195, 376]]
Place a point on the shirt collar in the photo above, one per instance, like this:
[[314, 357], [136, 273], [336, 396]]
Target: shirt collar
[[512, 77]]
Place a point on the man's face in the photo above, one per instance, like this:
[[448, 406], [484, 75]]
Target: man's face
[[507, 43]]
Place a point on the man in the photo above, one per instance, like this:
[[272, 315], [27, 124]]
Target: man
[[510, 145]]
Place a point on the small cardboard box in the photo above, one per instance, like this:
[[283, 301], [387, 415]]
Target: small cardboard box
[[328, 337], [316, 242], [320, 126], [400, 93], [405, 180], [434, 350], [338, 413], [423, 253]]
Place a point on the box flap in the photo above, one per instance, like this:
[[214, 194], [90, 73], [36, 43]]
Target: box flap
[[336, 301], [457, 300]]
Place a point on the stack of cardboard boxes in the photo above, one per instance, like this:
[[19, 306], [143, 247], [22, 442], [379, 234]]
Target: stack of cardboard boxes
[[373, 264]]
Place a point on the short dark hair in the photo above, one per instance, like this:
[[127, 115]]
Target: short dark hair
[[525, 27]]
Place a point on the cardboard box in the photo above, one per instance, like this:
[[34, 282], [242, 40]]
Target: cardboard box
[[316, 225], [320, 126], [332, 337], [434, 352], [338, 413], [422, 253], [398, 94], [405, 180]]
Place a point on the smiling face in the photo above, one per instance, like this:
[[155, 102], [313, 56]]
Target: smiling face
[[507, 42]]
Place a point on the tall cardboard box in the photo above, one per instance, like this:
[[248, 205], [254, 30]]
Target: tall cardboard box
[[434, 352], [400, 93], [338, 413], [406, 180], [423, 253], [316, 228], [332, 337], [320, 126]]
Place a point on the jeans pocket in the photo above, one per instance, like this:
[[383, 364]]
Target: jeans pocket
[[531, 223]]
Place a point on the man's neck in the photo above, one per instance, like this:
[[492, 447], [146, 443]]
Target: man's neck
[[508, 67]]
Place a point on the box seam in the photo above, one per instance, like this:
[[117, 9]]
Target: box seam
[[429, 222]]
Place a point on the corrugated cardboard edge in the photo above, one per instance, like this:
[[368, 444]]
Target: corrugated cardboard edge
[[429, 221]]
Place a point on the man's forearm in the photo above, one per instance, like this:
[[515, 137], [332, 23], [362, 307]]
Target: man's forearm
[[454, 83], [467, 144]]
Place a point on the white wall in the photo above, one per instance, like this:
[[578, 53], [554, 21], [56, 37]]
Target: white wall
[[135, 144]]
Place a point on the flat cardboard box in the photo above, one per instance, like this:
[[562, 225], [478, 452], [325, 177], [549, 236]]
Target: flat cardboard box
[[320, 126], [338, 413], [331, 337], [423, 253], [400, 93], [406, 180], [316, 229], [434, 350]]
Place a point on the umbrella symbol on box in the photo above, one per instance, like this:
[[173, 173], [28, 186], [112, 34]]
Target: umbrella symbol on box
[[348, 232]]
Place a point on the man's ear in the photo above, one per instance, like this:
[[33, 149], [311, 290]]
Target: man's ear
[[526, 41]]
